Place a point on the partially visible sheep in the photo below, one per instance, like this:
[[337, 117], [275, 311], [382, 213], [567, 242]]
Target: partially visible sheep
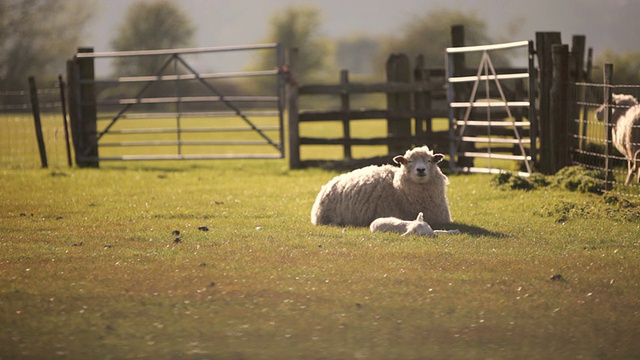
[[626, 130], [359, 197], [415, 227], [392, 224]]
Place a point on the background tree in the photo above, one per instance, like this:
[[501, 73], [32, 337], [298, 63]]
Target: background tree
[[149, 26], [626, 67], [430, 35], [37, 37], [298, 27]]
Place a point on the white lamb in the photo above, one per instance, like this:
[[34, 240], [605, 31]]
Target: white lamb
[[393, 224], [359, 197], [415, 227], [626, 130]]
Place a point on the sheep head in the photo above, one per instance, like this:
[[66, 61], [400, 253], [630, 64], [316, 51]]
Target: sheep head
[[622, 103], [420, 164]]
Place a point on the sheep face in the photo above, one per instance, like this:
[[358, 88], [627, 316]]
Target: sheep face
[[622, 103], [419, 164]]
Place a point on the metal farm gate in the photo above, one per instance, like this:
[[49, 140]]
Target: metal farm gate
[[175, 111], [487, 111]]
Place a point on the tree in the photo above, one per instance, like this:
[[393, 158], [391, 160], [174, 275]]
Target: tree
[[431, 35], [150, 26], [37, 37], [298, 27], [626, 67]]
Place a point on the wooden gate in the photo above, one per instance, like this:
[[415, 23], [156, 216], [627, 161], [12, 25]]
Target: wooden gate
[[487, 121], [177, 112]]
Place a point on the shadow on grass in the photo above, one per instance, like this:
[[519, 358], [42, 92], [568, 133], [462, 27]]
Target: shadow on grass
[[472, 230]]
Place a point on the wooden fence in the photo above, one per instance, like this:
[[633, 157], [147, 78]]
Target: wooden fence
[[416, 96], [409, 95]]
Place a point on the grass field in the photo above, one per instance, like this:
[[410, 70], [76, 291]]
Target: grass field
[[90, 268]]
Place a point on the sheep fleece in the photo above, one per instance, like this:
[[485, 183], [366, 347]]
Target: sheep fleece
[[359, 197]]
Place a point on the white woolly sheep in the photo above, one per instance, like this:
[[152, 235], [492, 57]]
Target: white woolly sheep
[[626, 130], [359, 197], [393, 224]]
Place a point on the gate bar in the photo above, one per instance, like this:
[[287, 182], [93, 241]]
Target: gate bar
[[176, 51]]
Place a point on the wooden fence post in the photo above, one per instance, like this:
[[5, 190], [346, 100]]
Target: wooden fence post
[[462, 90], [292, 108], [576, 74], [544, 43], [86, 144], [422, 101], [344, 107], [586, 96], [398, 127], [35, 108], [608, 74], [558, 107], [65, 125]]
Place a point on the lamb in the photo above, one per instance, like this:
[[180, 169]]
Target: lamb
[[359, 197], [626, 131], [393, 224], [415, 227]]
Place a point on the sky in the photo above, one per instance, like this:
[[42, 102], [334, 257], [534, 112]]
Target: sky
[[607, 24]]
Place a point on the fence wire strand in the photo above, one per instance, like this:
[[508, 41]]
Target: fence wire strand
[[592, 141]]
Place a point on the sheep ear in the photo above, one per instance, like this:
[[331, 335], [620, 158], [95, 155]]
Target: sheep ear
[[400, 160], [438, 157]]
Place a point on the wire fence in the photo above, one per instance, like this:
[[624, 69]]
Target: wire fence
[[595, 147], [18, 141]]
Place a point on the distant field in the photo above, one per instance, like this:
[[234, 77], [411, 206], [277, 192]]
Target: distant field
[[91, 268]]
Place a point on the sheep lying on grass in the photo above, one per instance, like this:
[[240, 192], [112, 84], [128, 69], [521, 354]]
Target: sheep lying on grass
[[415, 227], [359, 197], [626, 130]]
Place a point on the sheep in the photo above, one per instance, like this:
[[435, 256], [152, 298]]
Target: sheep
[[359, 197], [626, 130], [415, 227], [393, 224]]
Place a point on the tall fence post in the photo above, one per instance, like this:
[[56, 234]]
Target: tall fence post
[[65, 126], [344, 107], [558, 106], [292, 108], [544, 43], [421, 100], [398, 126], [462, 91], [35, 108], [608, 74], [85, 120], [576, 74]]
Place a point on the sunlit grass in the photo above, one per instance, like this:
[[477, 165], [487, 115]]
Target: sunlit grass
[[91, 268]]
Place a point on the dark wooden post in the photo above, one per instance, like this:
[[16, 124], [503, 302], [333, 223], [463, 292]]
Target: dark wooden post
[[462, 91], [35, 108], [558, 106], [608, 74], [586, 97], [65, 126], [544, 43], [576, 74], [398, 70], [422, 102], [345, 107], [292, 108], [533, 113], [87, 146]]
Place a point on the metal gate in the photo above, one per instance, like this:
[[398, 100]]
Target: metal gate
[[491, 142], [177, 112]]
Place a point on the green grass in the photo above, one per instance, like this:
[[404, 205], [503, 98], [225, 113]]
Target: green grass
[[89, 268]]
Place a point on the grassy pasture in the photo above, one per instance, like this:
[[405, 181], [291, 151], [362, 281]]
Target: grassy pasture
[[90, 268]]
